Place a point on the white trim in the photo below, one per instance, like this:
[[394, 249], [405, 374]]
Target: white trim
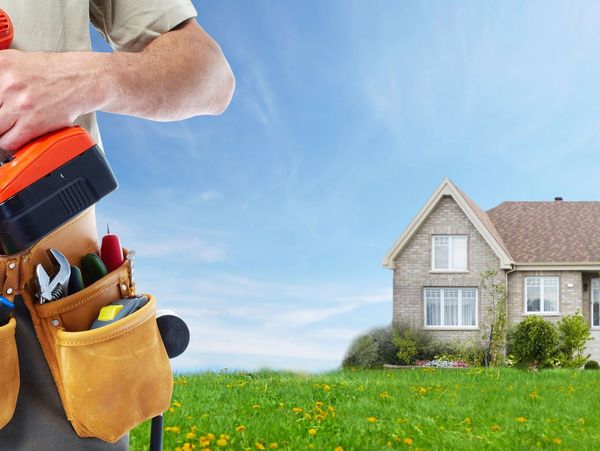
[[595, 279], [558, 266], [542, 312], [444, 327], [450, 253], [446, 188]]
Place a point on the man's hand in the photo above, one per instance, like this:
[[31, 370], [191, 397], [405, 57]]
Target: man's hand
[[41, 92], [180, 74]]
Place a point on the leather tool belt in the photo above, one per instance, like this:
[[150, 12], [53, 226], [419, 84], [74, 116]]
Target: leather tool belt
[[87, 365]]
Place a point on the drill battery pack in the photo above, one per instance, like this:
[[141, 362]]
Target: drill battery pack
[[48, 182]]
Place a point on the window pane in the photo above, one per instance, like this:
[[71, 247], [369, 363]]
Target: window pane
[[451, 307], [441, 251], [459, 252], [432, 307], [468, 306], [550, 294], [595, 303], [533, 294]]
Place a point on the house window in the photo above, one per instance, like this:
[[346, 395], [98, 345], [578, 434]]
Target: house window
[[451, 307], [541, 294], [595, 302], [449, 253]]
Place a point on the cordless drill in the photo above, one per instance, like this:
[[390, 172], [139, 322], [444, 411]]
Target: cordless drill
[[49, 180]]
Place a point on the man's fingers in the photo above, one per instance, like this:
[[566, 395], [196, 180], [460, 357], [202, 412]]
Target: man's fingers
[[13, 139], [7, 121]]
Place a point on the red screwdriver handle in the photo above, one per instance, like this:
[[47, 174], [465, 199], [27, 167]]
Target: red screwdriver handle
[[6, 31]]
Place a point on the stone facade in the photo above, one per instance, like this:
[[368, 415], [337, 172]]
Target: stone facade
[[413, 272]]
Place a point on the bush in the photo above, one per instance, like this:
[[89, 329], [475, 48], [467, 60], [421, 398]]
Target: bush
[[573, 333], [413, 344], [371, 350], [591, 365], [535, 340]]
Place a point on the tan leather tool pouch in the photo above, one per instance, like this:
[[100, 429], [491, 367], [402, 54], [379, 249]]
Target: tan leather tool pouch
[[9, 372], [109, 379]]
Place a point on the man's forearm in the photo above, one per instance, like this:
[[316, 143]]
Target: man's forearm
[[181, 74]]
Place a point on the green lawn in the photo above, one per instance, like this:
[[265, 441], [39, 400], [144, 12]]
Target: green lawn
[[369, 410]]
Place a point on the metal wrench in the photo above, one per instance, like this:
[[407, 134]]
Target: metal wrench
[[56, 286]]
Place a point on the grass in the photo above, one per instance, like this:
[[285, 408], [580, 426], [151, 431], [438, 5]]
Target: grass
[[370, 410]]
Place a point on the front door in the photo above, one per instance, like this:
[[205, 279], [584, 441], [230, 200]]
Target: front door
[[595, 302]]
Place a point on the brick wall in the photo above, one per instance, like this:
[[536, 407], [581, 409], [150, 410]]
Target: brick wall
[[569, 299], [413, 268]]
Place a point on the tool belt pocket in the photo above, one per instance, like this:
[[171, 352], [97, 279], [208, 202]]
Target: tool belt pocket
[[116, 376], [9, 372]]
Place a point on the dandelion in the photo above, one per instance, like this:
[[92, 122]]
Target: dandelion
[[326, 388], [468, 421], [318, 404], [298, 410], [384, 395], [312, 432], [495, 428], [175, 429], [581, 421], [188, 446], [408, 441], [210, 436], [224, 436], [190, 435], [259, 445], [256, 406], [240, 428], [421, 391], [372, 419], [176, 404], [521, 419], [222, 442], [338, 448], [533, 395], [273, 445], [557, 440]]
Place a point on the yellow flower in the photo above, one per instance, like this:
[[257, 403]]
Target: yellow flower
[[190, 436], [312, 431], [326, 388], [210, 436], [408, 441], [421, 390], [176, 404], [298, 409], [468, 420], [255, 406], [557, 440], [495, 428], [521, 419], [171, 410], [338, 448], [240, 428], [188, 447], [204, 442], [533, 395], [175, 429], [273, 445], [372, 419], [384, 395], [225, 436], [222, 442], [318, 404], [310, 445], [259, 445]]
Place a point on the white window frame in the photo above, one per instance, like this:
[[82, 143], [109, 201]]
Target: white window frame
[[459, 327], [450, 251], [596, 280], [543, 312]]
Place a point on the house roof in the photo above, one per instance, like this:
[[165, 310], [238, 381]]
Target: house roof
[[478, 218], [544, 232]]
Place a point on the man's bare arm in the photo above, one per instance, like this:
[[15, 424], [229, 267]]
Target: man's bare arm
[[180, 74]]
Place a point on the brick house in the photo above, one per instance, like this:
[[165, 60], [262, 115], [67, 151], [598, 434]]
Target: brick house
[[547, 254]]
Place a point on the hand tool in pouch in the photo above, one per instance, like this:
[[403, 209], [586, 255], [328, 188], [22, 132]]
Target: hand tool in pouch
[[92, 269], [119, 309], [6, 309], [51, 288], [111, 251], [49, 180]]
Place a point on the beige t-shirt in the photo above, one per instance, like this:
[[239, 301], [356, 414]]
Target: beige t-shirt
[[63, 26]]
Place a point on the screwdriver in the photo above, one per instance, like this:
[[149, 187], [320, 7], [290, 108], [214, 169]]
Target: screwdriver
[[111, 251]]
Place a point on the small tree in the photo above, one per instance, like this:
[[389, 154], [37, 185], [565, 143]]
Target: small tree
[[495, 327], [574, 333], [534, 341]]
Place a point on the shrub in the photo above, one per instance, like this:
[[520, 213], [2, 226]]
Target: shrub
[[371, 349], [534, 341], [573, 335], [412, 344], [591, 365]]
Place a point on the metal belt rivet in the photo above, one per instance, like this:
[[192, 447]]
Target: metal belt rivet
[[123, 287], [55, 322], [9, 291], [12, 265]]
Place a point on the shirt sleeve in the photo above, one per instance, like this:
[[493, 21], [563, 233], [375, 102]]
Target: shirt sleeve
[[130, 25]]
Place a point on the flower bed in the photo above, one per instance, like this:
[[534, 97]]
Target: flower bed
[[442, 363]]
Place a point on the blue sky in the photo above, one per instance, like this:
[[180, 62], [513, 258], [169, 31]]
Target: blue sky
[[265, 227]]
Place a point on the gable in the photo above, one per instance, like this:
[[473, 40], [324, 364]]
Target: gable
[[476, 217]]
